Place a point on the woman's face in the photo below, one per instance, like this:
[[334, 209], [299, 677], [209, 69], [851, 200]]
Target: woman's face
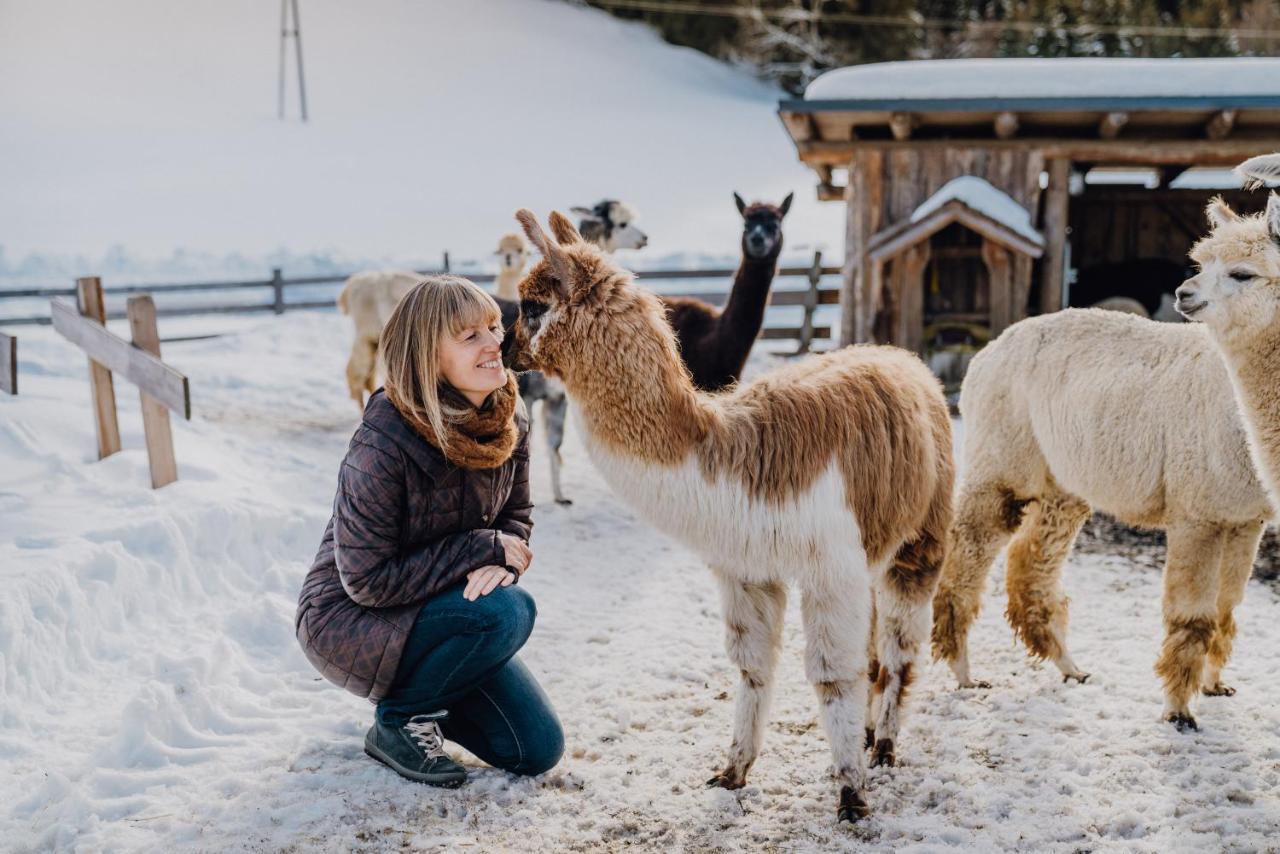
[[471, 361]]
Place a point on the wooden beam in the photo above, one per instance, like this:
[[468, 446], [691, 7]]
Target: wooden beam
[[831, 193], [1111, 124], [93, 313], [1118, 152], [1000, 285], [8, 363], [115, 354], [1054, 229], [801, 126], [155, 418], [1219, 127], [1006, 125], [787, 333], [902, 124], [901, 236]]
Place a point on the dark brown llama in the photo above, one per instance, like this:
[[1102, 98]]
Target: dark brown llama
[[715, 343]]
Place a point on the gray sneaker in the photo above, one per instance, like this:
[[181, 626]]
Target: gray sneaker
[[416, 751]]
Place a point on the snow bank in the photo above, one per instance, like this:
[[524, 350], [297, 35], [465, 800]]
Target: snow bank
[[1043, 78], [979, 195]]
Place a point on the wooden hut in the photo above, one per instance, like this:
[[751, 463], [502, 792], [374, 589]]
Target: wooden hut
[[898, 133]]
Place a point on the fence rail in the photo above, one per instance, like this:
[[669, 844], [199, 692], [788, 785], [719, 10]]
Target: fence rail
[[809, 297]]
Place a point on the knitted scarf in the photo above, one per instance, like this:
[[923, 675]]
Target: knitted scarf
[[483, 438]]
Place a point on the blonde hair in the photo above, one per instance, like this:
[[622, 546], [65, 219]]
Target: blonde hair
[[410, 346]]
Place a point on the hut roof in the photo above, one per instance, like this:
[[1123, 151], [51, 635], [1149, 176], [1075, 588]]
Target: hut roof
[[972, 202]]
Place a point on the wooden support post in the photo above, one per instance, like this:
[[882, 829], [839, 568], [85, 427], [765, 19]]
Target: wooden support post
[[8, 363], [1053, 273], [810, 303], [277, 289], [1219, 127], [91, 304], [857, 299], [909, 270], [155, 416], [1111, 124], [1000, 284]]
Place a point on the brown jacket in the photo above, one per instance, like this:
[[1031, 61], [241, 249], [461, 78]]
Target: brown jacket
[[406, 524]]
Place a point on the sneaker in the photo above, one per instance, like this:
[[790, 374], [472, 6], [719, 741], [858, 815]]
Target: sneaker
[[416, 751]]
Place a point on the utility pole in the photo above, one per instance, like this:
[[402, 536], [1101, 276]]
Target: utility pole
[[287, 6]]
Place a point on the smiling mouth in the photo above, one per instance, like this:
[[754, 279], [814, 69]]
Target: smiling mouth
[[492, 363]]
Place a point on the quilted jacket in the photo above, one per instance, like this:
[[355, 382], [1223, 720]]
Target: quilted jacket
[[406, 524]]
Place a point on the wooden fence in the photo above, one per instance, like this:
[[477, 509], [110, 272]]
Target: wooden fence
[[810, 297]]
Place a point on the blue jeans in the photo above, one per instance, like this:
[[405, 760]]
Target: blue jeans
[[460, 656]]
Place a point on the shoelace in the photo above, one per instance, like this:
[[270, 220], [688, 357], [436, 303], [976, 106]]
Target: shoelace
[[428, 736]]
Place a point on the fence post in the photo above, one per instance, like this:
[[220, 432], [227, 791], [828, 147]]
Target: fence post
[[277, 286], [8, 363], [92, 305], [155, 416], [446, 260], [810, 303]]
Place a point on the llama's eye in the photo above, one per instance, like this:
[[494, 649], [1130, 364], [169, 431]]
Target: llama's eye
[[622, 225], [1241, 275]]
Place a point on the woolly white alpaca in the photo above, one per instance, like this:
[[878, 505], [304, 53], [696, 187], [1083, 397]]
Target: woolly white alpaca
[[834, 472], [369, 298], [1090, 409], [512, 256], [1236, 295]]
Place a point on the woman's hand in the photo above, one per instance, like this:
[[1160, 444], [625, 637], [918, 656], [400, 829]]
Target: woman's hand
[[486, 579], [518, 555]]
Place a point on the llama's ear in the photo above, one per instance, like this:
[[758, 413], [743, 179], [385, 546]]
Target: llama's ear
[[1273, 216], [1220, 213], [549, 248], [1257, 171], [786, 205], [742, 206], [563, 229]]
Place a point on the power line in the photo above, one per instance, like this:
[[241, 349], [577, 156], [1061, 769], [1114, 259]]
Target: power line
[[677, 7]]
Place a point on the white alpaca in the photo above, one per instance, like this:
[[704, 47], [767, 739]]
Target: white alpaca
[[1087, 409], [369, 298], [611, 225], [834, 473]]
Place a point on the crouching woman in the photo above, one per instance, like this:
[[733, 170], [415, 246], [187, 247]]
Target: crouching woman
[[412, 599]]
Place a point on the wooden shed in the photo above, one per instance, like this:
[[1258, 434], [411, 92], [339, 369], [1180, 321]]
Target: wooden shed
[[887, 138]]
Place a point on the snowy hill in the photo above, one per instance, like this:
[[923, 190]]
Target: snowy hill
[[150, 127]]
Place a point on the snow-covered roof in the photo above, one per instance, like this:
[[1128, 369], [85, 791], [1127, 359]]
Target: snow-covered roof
[[1070, 78], [979, 195]]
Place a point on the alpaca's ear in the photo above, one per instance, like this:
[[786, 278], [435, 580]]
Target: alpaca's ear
[[1257, 171], [1273, 216], [786, 205], [550, 250], [563, 229], [742, 206], [585, 213], [1220, 213]]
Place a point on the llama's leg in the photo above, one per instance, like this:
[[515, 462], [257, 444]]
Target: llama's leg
[[902, 594], [986, 516], [360, 368], [555, 408], [1037, 607], [873, 671], [1190, 610], [1238, 553], [837, 623], [753, 616]]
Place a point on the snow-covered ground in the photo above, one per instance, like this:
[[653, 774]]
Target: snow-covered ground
[[139, 138], [152, 696]]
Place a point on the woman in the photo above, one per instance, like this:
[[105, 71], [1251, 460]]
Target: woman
[[410, 601]]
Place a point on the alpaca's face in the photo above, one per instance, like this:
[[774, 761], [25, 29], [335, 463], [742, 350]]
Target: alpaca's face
[[762, 226], [511, 253], [1236, 293], [611, 225]]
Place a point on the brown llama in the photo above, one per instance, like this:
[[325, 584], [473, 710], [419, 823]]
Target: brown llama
[[715, 343], [834, 473]]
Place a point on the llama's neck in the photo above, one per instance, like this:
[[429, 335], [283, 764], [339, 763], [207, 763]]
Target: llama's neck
[[743, 314], [1255, 370], [635, 395], [507, 283]]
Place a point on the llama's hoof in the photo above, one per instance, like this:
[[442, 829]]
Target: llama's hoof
[[564, 502], [975, 683], [1219, 690], [1080, 676], [852, 806], [727, 780], [871, 738], [1183, 722], [883, 754]]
